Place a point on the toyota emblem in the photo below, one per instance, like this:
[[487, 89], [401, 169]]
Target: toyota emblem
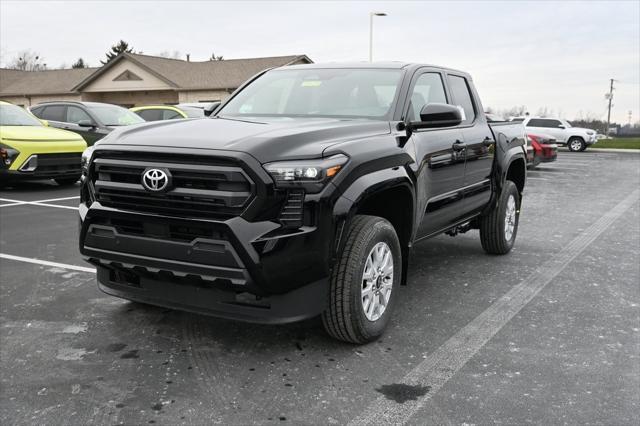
[[155, 180]]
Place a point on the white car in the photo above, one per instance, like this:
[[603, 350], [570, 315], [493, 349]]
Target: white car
[[575, 138]]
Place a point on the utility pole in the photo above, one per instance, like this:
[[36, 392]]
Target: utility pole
[[610, 97]]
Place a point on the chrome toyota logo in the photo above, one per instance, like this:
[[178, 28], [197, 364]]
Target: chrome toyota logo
[[155, 179]]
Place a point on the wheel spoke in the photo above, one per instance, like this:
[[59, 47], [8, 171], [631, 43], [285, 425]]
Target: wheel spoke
[[377, 281]]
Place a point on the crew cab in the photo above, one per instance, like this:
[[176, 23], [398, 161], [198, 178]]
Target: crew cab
[[575, 138], [302, 195]]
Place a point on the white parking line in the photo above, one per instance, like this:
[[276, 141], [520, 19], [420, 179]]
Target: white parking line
[[39, 203], [47, 263], [448, 359]]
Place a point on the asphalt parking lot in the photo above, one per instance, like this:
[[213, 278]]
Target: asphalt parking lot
[[548, 334]]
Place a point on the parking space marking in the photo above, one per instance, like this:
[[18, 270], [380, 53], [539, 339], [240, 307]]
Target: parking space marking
[[436, 370], [38, 203], [47, 263]]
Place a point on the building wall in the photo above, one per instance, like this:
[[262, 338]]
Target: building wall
[[138, 98], [26, 101], [202, 95]]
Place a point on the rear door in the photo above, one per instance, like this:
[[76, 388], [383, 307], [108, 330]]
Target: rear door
[[479, 144], [54, 114], [547, 126], [440, 157]]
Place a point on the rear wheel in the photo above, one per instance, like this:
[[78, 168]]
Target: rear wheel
[[499, 227], [363, 281], [67, 181], [576, 144]]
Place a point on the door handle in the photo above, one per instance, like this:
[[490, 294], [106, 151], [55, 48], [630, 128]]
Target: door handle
[[458, 146], [488, 141]]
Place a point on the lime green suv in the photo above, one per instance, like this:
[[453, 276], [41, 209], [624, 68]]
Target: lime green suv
[[29, 149]]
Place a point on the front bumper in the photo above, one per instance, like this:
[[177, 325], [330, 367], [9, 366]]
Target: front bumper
[[251, 271]]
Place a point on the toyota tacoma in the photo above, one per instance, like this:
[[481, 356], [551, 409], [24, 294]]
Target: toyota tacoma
[[302, 195]]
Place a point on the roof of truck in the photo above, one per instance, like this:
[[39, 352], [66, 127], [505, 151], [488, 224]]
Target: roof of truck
[[370, 65]]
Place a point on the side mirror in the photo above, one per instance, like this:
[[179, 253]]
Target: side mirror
[[436, 115], [45, 123], [561, 126], [86, 123]]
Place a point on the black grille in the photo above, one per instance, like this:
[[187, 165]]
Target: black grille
[[292, 212], [58, 164], [216, 188]]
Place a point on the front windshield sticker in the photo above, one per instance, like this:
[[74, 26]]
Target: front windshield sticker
[[311, 83]]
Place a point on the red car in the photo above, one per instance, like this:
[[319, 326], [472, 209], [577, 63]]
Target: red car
[[543, 149]]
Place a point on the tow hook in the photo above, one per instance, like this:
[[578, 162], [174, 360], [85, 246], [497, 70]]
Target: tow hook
[[460, 229]]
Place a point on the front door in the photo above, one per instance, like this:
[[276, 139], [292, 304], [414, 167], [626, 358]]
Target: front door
[[74, 116], [440, 157]]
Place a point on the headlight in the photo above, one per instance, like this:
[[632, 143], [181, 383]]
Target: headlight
[[312, 175], [86, 161], [8, 155], [590, 133]]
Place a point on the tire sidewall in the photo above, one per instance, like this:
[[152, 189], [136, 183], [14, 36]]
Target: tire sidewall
[[382, 231], [582, 145], [509, 189]]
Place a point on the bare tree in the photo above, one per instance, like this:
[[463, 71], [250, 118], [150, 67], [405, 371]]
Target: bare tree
[[27, 61], [80, 63]]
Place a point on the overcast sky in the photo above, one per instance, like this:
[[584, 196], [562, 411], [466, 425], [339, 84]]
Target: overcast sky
[[558, 55]]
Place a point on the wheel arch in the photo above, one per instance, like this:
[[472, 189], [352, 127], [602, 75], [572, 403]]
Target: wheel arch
[[385, 193]]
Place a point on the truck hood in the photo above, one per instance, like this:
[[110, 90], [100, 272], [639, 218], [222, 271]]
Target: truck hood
[[37, 134], [268, 139]]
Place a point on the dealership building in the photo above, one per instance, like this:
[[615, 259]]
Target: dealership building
[[132, 80]]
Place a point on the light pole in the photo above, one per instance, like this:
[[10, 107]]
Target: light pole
[[371, 15]]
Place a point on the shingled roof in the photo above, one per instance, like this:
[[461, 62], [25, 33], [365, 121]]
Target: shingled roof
[[183, 75], [50, 82]]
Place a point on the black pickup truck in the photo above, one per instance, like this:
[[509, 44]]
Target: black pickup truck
[[302, 195]]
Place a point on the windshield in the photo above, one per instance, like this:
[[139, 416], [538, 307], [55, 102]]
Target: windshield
[[113, 115], [11, 115], [339, 93]]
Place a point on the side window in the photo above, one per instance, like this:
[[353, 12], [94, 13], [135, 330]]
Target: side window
[[150, 114], [170, 114], [553, 123], [75, 115], [428, 89], [54, 113], [536, 122], [462, 97]]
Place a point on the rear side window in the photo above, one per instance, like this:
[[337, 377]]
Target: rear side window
[[170, 114], [151, 114], [54, 113], [462, 97], [428, 89], [542, 122]]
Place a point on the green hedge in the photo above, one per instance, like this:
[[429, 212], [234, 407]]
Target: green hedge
[[619, 143]]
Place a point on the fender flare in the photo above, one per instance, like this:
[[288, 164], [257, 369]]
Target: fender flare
[[362, 189]]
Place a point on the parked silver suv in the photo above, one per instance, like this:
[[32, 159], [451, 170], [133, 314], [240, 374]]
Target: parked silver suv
[[575, 138]]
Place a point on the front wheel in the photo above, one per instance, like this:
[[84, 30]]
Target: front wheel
[[499, 227], [576, 145], [364, 281]]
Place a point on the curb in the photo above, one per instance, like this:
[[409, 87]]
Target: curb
[[616, 150]]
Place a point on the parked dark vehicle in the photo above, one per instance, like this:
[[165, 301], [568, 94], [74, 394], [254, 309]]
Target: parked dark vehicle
[[91, 120], [544, 147], [303, 195]]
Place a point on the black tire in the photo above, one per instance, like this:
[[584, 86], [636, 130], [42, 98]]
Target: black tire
[[492, 225], [67, 181], [576, 144], [345, 318]]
